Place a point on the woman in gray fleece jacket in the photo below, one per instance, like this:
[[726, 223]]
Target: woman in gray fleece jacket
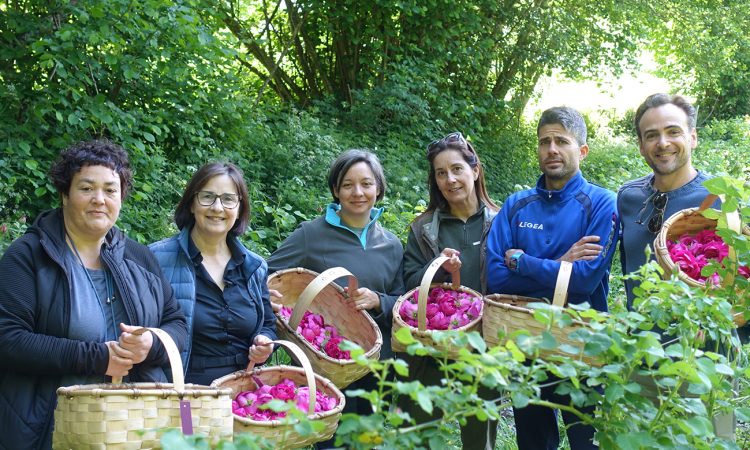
[[348, 235]]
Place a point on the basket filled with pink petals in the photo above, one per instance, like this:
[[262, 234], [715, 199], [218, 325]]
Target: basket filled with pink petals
[[315, 396], [688, 241], [316, 315], [437, 307]]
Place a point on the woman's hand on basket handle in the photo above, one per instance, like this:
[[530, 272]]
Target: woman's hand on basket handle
[[117, 366], [275, 295], [453, 265], [584, 249], [364, 298], [136, 346], [260, 350]]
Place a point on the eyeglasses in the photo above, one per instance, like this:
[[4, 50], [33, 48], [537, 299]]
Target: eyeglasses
[[450, 139], [659, 202], [208, 198]]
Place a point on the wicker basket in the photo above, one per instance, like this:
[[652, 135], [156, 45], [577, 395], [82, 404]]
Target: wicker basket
[[299, 288], [132, 415], [509, 313], [421, 333], [692, 221], [283, 434]]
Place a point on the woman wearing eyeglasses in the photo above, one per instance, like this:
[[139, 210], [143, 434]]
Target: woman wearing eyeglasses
[[220, 284], [455, 224]]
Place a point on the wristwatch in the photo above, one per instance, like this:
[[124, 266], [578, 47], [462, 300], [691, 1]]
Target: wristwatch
[[514, 258]]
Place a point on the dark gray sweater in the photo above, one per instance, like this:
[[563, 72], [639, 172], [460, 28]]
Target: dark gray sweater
[[632, 202], [317, 245]]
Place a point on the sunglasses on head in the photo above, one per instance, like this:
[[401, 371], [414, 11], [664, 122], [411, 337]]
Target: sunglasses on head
[[450, 139], [659, 202]]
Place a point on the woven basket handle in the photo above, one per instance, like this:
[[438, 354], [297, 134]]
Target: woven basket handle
[[734, 224], [309, 374], [560, 297], [175, 362], [424, 288], [313, 289]]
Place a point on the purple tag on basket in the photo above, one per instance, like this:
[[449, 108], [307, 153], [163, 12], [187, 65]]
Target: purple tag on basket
[[186, 417]]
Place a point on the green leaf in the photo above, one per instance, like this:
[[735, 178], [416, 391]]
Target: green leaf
[[724, 369], [401, 368], [717, 185], [476, 341], [424, 400], [633, 388], [436, 442], [30, 163], [565, 370], [304, 428], [519, 399], [404, 336], [548, 341], [635, 441], [697, 426], [149, 137], [614, 392], [515, 351], [743, 414]]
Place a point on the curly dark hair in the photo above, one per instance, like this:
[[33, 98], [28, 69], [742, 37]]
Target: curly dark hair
[[183, 217], [98, 152]]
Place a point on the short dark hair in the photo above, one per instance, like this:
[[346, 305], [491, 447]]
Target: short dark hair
[[660, 99], [183, 217], [346, 160], [570, 119], [455, 141], [97, 152]]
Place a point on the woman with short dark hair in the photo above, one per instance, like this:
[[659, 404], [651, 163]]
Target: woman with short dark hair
[[220, 284], [68, 287], [348, 235]]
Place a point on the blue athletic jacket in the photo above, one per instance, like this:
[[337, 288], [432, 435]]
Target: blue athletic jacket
[[545, 224]]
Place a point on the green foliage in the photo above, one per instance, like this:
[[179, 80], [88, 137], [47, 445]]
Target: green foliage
[[428, 63], [703, 50], [135, 73], [612, 161]]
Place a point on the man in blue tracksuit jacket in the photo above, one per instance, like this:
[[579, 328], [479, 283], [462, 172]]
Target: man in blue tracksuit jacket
[[565, 218]]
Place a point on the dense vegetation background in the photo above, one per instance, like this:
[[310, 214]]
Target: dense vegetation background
[[281, 87]]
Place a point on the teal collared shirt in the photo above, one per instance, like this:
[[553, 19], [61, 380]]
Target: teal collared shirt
[[333, 218]]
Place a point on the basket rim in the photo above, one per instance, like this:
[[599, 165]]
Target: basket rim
[[529, 311], [140, 390], [445, 285], [371, 353], [490, 299], [323, 382]]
